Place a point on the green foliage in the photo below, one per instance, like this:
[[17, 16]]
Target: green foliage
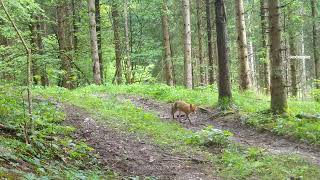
[[210, 136], [43, 157]]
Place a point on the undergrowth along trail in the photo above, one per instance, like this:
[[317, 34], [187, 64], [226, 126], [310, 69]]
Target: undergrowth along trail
[[230, 161], [242, 133]]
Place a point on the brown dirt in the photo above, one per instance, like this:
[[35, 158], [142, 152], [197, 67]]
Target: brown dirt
[[243, 134], [128, 155]]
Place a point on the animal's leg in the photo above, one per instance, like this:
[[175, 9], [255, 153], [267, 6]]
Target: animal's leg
[[172, 112], [189, 119]]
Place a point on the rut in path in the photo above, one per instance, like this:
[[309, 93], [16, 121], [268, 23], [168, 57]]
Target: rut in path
[[243, 134], [130, 156]]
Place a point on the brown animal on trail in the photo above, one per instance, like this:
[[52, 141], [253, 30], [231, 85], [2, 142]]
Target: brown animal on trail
[[182, 106]]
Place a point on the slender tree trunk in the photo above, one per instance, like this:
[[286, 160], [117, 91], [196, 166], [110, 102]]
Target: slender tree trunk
[[63, 38], [187, 45], [94, 43], [265, 55], [127, 36], [210, 48], [244, 82], [315, 40], [225, 95], [29, 75], [43, 72], [166, 42], [293, 52], [98, 29], [115, 17], [75, 20], [278, 94], [34, 50], [293, 65], [200, 37]]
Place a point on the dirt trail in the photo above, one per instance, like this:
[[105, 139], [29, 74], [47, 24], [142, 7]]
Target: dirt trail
[[243, 134], [128, 155]]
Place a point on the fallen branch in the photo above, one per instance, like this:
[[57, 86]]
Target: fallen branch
[[308, 116], [186, 159], [174, 158]]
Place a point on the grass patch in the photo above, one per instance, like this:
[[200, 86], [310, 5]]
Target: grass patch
[[249, 103], [234, 162]]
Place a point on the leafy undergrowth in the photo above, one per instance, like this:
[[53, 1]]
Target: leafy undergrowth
[[52, 153], [234, 161], [250, 104]]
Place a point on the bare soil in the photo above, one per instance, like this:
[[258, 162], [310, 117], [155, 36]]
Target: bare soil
[[243, 134], [130, 156]]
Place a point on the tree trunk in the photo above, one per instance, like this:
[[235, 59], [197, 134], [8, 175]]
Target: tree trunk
[[210, 48], [293, 65], [115, 17], [128, 55], [244, 82], [98, 29], [225, 95], [187, 45], [29, 75], [166, 43], [63, 39], [43, 71], [278, 95], [315, 41], [34, 50], [75, 20], [94, 42], [200, 36], [265, 55]]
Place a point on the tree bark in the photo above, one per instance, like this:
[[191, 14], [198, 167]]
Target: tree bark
[[200, 37], [225, 95], [75, 20], [98, 29], [293, 65], [115, 17], [187, 45], [210, 47], [315, 41], [166, 42], [127, 36], [265, 55], [43, 71], [63, 27], [94, 43], [278, 94], [244, 80], [34, 50]]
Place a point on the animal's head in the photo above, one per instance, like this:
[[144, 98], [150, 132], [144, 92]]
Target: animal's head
[[193, 108]]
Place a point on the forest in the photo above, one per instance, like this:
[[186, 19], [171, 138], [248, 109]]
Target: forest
[[160, 89]]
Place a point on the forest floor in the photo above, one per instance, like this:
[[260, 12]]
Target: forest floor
[[129, 155], [242, 133]]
